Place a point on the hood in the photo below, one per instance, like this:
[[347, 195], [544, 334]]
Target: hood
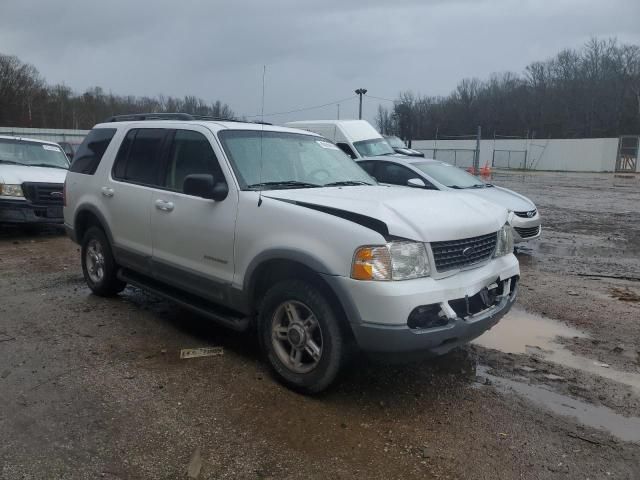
[[415, 214], [506, 198], [17, 174]]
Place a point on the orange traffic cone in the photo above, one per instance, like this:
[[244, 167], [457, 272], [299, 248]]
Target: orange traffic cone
[[485, 171]]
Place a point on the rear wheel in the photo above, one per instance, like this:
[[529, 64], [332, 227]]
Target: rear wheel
[[98, 265], [301, 336]]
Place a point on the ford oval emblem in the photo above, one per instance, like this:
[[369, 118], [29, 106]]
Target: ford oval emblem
[[467, 251], [56, 194]]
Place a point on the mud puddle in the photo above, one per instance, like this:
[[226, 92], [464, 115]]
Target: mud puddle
[[614, 248], [601, 418], [522, 332]]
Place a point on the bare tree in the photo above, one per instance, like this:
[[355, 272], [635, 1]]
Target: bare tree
[[593, 91], [26, 101]]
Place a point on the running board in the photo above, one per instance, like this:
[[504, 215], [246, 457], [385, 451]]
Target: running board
[[189, 301]]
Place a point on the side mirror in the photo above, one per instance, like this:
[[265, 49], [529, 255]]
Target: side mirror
[[416, 183], [205, 186]]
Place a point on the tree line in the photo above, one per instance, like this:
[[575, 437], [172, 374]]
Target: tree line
[[26, 100], [593, 91]]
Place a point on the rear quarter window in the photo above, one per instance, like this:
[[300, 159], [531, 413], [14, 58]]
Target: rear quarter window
[[90, 152]]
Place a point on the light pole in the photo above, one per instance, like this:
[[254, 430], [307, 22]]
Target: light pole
[[361, 92]]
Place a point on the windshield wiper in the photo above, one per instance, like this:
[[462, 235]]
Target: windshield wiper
[[11, 162], [457, 187], [283, 184], [47, 165], [346, 183]]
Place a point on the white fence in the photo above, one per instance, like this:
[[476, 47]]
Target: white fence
[[52, 135], [577, 155]]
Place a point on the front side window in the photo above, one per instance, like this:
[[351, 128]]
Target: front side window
[[138, 159], [394, 174], [373, 147], [288, 160], [369, 167], [190, 154], [32, 154], [449, 175], [347, 149]]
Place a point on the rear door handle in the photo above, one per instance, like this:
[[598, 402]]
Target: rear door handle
[[164, 205], [107, 192]]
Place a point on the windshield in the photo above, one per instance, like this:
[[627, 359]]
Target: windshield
[[289, 160], [395, 142], [449, 175], [33, 154], [373, 147]]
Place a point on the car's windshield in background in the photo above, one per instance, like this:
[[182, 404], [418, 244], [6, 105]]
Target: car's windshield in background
[[374, 147], [272, 160], [33, 154], [449, 175], [395, 142]]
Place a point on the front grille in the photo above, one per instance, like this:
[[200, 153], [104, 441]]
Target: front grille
[[462, 253], [529, 214], [43, 193], [527, 232]]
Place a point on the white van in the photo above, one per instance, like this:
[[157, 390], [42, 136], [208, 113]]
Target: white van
[[356, 138]]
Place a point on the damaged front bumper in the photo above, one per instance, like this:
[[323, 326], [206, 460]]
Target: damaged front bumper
[[450, 311]]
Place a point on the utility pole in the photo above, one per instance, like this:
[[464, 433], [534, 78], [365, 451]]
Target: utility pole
[[476, 158], [361, 92]]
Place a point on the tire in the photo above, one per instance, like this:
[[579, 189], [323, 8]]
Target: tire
[[289, 302], [98, 265]]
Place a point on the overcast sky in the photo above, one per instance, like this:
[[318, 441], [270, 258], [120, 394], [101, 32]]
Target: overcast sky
[[316, 52]]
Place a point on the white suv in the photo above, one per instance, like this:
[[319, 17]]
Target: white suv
[[274, 228]]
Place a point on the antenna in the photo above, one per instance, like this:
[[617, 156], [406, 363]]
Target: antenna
[[264, 74]]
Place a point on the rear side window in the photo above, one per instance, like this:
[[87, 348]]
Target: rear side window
[[88, 156], [138, 159]]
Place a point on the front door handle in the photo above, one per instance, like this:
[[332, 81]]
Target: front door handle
[[164, 205], [107, 192]]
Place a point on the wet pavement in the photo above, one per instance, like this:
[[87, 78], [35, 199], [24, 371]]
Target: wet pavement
[[96, 388]]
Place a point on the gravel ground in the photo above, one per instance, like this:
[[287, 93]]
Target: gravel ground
[[94, 388]]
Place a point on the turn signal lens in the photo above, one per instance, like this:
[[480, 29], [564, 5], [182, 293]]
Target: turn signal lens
[[371, 263]]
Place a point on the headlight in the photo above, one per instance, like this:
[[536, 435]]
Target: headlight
[[504, 246], [393, 261], [11, 190]]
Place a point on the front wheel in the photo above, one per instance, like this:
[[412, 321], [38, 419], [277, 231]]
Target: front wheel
[[98, 265], [301, 336]]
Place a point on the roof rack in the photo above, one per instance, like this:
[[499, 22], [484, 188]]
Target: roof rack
[[133, 117]]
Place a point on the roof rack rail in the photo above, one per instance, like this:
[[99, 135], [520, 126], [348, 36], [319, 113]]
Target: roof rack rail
[[133, 117]]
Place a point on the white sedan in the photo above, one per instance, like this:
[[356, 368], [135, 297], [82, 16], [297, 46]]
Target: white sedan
[[436, 175]]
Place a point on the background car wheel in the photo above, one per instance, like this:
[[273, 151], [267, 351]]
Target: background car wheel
[[98, 266], [301, 336]]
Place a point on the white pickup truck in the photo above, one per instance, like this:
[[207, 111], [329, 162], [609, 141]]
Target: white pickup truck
[[32, 174]]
